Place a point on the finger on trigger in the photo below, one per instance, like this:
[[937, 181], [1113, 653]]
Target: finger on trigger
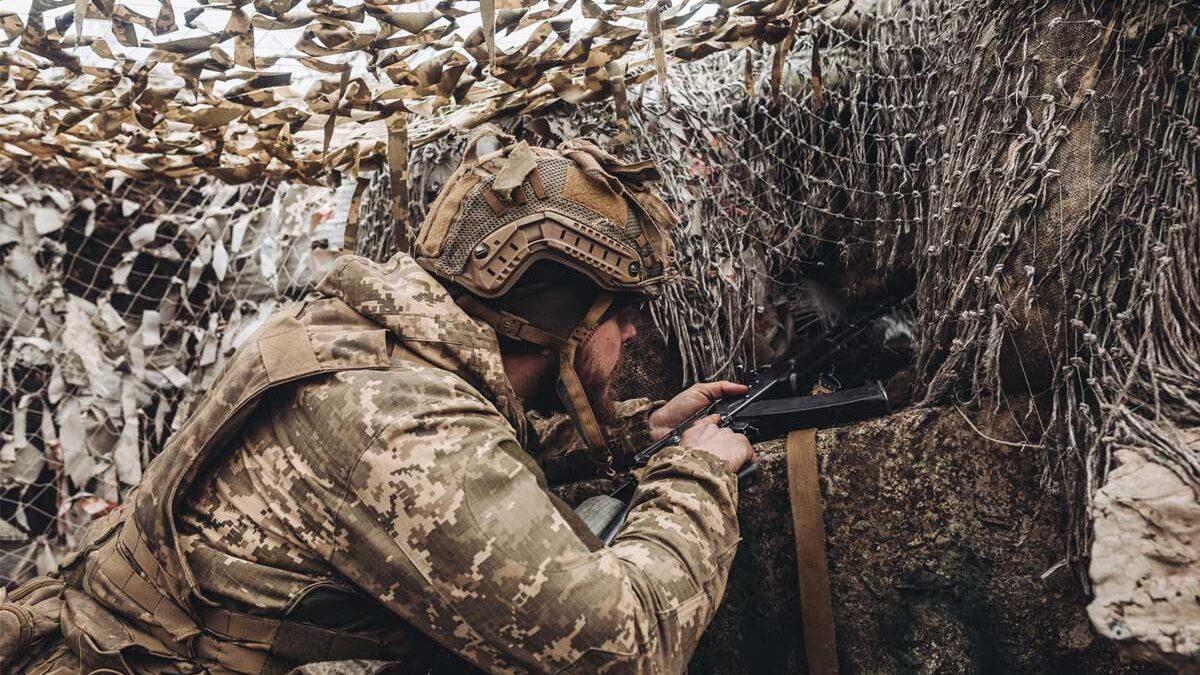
[[728, 388]]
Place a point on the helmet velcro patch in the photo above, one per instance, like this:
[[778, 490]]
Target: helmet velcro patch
[[596, 195]]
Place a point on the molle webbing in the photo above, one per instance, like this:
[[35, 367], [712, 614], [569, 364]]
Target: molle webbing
[[242, 643], [259, 646], [140, 594], [126, 566]]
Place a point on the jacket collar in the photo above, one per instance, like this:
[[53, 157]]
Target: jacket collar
[[414, 306]]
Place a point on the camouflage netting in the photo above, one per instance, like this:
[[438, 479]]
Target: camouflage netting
[[307, 90], [1029, 171], [1073, 238], [1026, 171], [1071, 229], [119, 303]]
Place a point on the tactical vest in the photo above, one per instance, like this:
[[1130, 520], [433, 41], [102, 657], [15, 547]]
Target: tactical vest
[[132, 603]]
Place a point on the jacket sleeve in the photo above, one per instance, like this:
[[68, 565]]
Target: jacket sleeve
[[564, 456], [447, 522]]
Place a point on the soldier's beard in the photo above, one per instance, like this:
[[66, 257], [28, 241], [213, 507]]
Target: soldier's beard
[[596, 383]]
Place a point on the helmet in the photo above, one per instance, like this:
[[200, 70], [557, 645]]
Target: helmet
[[502, 215]]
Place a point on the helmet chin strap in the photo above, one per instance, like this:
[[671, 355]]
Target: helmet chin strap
[[570, 387]]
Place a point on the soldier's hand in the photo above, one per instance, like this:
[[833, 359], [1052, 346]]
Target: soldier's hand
[[726, 444], [685, 404]]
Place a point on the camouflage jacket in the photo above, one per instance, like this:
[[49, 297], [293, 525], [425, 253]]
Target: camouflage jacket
[[368, 464]]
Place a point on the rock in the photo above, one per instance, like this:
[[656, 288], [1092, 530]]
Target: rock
[[1146, 561]]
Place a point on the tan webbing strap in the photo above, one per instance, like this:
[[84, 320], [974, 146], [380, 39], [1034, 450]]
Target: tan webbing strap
[[350, 234], [816, 609], [237, 634], [131, 540], [487, 11], [591, 319], [509, 325], [241, 627], [573, 394], [397, 159], [245, 659], [535, 182], [493, 201]]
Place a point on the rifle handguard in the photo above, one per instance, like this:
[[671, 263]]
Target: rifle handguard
[[604, 515]]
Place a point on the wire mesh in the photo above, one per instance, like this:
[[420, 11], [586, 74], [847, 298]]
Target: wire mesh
[[121, 301]]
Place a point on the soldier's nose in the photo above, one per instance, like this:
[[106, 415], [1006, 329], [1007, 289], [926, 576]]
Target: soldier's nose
[[628, 330]]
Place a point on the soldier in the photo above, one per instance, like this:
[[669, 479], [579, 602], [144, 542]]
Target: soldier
[[356, 485]]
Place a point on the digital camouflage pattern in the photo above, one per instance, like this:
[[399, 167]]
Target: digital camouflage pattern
[[361, 459]]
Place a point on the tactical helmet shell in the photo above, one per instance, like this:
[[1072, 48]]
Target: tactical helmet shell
[[578, 206]]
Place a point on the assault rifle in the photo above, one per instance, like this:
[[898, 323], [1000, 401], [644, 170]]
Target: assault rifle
[[774, 405]]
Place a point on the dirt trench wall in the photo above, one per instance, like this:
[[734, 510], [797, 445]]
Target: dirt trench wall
[[944, 555]]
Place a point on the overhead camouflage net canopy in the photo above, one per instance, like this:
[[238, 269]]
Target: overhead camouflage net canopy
[[305, 89]]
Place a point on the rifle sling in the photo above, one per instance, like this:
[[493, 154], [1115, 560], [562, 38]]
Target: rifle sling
[[816, 610]]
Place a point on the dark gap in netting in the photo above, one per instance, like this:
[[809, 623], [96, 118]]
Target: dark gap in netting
[[88, 260], [37, 502], [36, 499]]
